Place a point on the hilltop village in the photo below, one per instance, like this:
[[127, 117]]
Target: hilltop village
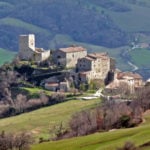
[[39, 78], [78, 68]]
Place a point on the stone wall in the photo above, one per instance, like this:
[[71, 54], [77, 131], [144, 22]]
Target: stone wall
[[26, 46], [84, 64], [73, 57], [69, 59]]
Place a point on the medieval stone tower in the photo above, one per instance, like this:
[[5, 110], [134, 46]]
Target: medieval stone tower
[[26, 46], [28, 51]]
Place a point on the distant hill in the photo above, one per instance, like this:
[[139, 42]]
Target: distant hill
[[98, 25], [108, 23]]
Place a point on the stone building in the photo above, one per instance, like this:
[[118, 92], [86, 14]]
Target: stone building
[[95, 66], [127, 81], [68, 57], [133, 80], [28, 51], [57, 86], [52, 86]]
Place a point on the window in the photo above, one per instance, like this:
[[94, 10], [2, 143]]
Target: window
[[58, 56]]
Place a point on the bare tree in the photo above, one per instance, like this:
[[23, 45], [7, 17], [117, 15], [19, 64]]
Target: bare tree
[[20, 141], [23, 141]]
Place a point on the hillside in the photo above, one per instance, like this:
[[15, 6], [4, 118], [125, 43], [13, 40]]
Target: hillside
[[6, 56], [109, 24], [103, 141], [49, 116], [98, 25], [53, 115]]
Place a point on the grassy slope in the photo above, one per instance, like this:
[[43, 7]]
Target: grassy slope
[[103, 141], [40, 121], [36, 90], [132, 21], [6, 56], [140, 57]]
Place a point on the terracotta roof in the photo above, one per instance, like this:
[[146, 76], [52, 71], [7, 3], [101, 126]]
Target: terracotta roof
[[72, 49], [52, 84], [89, 58], [128, 74], [98, 55]]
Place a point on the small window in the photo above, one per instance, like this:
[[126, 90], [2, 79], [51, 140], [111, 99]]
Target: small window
[[58, 56], [73, 55]]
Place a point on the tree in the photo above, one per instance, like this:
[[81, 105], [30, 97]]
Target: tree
[[9, 141], [23, 141]]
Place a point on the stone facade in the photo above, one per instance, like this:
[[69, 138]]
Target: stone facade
[[129, 80], [57, 86], [28, 51], [133, 80], [95, 66], [68, 57]]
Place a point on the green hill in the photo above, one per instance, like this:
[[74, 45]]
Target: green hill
[[40, 121], [103, 141], [94, 24], [108, 23], [6, 56]]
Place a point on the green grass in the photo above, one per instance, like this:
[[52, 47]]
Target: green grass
[[40, 121], [140, 57], [36, 90], [103, 141], [6, 56]]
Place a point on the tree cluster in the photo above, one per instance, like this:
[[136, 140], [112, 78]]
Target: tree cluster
[[21, 141], [109, 115]]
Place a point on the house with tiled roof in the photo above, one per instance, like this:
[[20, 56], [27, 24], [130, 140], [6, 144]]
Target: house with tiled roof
[[95, 66], [131, 80], [68, 57]]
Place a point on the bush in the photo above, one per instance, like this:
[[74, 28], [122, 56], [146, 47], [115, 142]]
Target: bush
[[128, 146]]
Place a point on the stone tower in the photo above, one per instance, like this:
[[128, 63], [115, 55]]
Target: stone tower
[[26, 46]]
